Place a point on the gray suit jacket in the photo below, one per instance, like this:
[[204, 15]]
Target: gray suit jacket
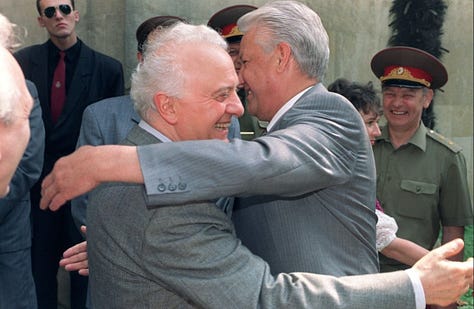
[[183, 257], [106, 122], [310, 186]]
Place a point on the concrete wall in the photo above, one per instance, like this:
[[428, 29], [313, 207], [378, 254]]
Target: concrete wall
[[357, 30]]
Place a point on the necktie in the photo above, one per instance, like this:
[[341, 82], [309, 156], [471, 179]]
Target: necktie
[[58, 88]]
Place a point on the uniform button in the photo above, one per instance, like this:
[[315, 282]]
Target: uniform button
[[172, 187], [161, 187], [418, 189], [181, 186]]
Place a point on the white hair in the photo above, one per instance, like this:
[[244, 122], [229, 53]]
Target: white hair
[[9, 94], [296, 24], [160, 71]]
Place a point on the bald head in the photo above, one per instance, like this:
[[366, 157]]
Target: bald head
[[7, 35], [14, 96]]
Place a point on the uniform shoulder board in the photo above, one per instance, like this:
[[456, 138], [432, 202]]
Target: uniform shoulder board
[[445, 141]]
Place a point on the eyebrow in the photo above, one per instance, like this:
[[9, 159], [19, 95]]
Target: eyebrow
[[223, 89]]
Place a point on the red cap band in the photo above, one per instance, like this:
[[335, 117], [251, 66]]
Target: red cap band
[[407, 73], [230, 31]]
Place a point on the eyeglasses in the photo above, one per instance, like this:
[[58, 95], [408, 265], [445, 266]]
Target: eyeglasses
[[50, 11]]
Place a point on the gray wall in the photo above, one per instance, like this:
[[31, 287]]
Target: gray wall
[[357, 30]]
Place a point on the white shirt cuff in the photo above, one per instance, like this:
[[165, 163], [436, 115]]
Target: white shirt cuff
[[417, 288]]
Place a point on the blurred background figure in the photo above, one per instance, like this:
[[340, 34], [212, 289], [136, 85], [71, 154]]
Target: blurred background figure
[[69, 76], [21, 128]]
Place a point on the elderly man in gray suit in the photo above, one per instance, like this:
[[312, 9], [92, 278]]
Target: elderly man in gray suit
[[307, 141], [108, 122]]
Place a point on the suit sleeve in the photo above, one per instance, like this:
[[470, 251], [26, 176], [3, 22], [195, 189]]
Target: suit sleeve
[[192, 250], [311, 152]]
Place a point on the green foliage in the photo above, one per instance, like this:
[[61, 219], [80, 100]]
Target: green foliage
[[468, 249]]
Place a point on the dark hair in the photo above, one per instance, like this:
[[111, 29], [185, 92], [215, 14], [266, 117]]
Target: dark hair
[[151, 24], [39, 8], [363, 96]]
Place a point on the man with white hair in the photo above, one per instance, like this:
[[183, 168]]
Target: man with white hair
[[20, 117]]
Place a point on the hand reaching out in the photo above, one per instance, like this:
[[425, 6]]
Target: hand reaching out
[[444, 281], [75, 258]]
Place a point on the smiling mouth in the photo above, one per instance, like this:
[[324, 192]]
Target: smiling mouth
[[222, 126], [399, 113]]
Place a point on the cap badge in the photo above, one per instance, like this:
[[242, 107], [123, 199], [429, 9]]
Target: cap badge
[[406, 73]]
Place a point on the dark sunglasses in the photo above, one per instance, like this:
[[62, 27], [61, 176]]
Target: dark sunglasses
[[50, 11]]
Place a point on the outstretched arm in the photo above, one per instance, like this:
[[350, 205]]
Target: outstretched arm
[[85, 169], [404, 251]]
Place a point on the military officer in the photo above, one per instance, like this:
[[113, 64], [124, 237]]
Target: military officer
[[421, 175]]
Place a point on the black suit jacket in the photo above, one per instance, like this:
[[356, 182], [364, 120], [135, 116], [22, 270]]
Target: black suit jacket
[[96, 77]]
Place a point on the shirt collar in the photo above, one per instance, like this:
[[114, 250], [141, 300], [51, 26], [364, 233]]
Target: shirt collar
[[418, 139], [71, 53], [145, 126], [286, 108]]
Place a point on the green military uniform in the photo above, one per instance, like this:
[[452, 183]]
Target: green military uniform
[[250, 126], [422, 184]]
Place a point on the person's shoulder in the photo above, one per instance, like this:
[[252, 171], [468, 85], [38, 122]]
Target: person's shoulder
[[100, 57], [31, 87], [29, 51], [443, 141], [121, 104], [103, 57]]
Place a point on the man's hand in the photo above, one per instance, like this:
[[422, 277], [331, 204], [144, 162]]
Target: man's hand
[[71, 176], [85, 169], [444, 281], [75, 258]]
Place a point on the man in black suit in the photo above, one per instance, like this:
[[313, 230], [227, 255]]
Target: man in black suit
[[89, 77]]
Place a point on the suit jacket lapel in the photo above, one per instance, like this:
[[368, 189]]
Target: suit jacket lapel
[[39, 74], [302, 100], [138, 136]]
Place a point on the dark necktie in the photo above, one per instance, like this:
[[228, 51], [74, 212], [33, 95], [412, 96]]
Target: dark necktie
[[58, 88]]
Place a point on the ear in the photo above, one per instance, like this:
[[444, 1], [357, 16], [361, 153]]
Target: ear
[[40, 21], [428, 98], [166, 107], [139, 57], [283, 55], [76, 15]]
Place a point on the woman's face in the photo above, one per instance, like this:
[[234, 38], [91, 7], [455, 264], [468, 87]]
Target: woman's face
[[371, 124]]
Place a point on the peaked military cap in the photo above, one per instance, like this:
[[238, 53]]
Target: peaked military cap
[[409, 67], [225, 21]]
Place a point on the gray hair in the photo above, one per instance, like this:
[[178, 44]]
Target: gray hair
[[296, 24], [7, 35], [160, 71]]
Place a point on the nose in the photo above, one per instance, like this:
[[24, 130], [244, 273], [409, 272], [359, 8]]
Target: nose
[[237, 64], [234, 106], [241, 77], [58, 13], [377, 131]]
